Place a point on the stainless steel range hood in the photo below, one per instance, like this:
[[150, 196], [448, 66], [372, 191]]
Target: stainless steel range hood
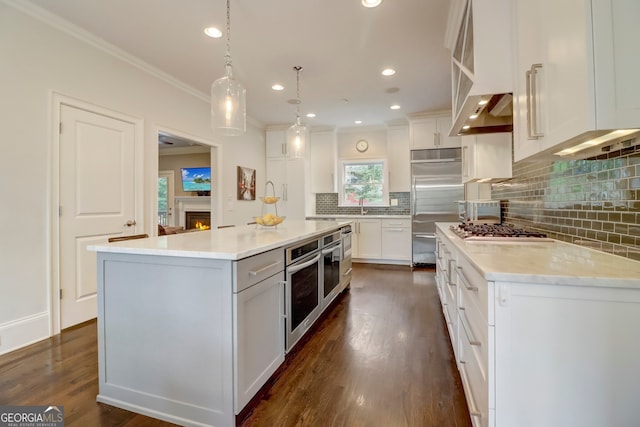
[[484, 114]]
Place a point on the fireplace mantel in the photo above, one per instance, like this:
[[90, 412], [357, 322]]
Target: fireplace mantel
[[191, 204]]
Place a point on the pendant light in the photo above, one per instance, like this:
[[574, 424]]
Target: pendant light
[[228, 97], [297, 133]]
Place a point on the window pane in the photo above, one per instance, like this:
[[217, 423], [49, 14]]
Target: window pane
[[363, 181]]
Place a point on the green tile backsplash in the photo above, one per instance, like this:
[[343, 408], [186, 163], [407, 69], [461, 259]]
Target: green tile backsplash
[[593, 202], [327, 204]]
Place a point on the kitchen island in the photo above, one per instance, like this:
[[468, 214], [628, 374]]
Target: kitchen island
[[545, 333], [190, 326]]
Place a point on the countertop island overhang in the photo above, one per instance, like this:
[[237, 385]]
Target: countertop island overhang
[[191, 326], [232, 243]]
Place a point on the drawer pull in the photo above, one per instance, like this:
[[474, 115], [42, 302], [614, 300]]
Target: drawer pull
[[348, 272], [265, 268], [465, 282], [467, 329]]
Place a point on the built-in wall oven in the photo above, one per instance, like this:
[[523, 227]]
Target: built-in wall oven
[[331, 271], [303, 275]]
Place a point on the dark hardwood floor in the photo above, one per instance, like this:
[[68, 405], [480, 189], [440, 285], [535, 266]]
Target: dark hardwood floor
[[381, 357]]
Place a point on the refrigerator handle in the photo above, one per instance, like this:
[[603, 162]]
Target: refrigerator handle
[[426, 236], [413, 212]]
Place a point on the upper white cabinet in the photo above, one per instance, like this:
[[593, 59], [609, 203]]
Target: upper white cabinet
[[322, 152], [481, 62], [288, 177], [398, 158], [575, 72], [432, 132], [486, 156], [277, 144]]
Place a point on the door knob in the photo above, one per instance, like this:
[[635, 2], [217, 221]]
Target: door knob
[[130, 223]]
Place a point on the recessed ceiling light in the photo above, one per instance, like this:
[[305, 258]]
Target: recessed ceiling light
[[465, 127], [395, 107], [371, 3], [388, 72], [311, 115], [358, 122], [473, 116], [483, 102], [213, 32], [277, 87]]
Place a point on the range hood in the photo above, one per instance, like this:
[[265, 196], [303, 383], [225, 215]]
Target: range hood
[[484, 114]]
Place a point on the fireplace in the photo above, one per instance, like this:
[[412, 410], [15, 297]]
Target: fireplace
[[192, 218]]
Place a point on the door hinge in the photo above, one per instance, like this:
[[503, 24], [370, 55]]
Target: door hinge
[[60, 127], [59, 210], [60, 293]]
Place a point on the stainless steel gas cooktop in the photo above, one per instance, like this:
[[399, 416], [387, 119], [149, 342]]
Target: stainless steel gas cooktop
[[497, 232]]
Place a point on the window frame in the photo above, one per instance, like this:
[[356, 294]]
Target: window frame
[[385, 181]]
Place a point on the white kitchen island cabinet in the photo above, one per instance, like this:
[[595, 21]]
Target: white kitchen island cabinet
[[547, 332], [191, 326]]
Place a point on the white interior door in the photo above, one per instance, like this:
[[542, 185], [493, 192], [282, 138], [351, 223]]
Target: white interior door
[[97, 201]]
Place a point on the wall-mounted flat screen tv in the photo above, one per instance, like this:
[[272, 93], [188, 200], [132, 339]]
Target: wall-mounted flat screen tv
[[196, 179]]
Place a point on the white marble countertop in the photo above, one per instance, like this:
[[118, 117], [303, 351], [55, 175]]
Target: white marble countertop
[[553, 262], [361, 216], [231, 243]]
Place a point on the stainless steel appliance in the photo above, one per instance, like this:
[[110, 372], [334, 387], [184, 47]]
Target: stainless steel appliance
[[303, 276], [331, 260], [345, 264], [497, 232], [480, 211], [436, 188]]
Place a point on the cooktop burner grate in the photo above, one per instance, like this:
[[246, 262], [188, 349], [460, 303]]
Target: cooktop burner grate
[[488, 231]]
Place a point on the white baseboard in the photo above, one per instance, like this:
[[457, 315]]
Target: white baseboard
[[22, 332]]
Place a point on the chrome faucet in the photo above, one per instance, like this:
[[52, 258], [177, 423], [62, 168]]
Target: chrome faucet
[[361, 203]]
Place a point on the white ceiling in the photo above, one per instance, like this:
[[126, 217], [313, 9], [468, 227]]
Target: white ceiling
[[342, 46]]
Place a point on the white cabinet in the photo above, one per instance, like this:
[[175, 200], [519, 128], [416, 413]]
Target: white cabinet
[[366, 239], [277, 144], [288, 177], [322, 155], [486, 156], [481, 59], [398, 158], [432, 132], [575, 72], [575, 342], [258, 322], [259, 333], [396, 238]]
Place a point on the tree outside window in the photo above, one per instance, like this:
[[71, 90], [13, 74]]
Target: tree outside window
[[363, 180]]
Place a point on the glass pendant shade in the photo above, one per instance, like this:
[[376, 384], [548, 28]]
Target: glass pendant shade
[[228, 106], [297, 138]]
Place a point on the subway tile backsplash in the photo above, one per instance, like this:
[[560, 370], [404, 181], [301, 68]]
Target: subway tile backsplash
[[327, 204], [593, 202]]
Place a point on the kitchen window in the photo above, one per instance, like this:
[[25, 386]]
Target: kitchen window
[[363, 180]]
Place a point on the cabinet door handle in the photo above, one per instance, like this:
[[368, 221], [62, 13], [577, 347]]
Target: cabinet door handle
[[532, 106], [348, 272], [449, 281], [473, 408], [265, 268], [467, 328], [465, 282], [527, 75]]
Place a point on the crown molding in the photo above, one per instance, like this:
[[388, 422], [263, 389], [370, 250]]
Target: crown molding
[[73, 30]]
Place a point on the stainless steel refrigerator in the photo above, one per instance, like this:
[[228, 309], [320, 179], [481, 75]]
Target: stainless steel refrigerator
[[436, 188]]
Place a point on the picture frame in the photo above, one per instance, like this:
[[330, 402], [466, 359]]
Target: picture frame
[[246, 183]]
